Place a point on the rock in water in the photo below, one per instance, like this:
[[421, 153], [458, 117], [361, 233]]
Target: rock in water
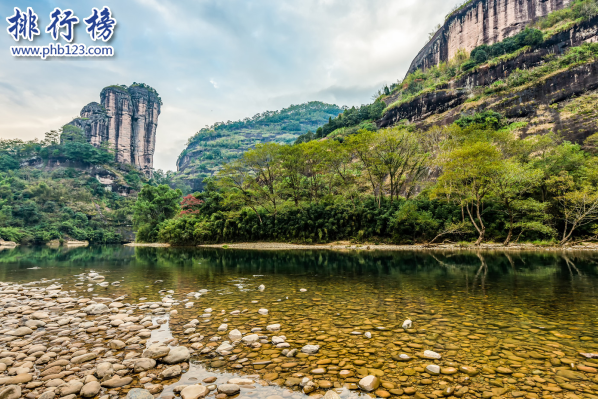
[[310, 349], [225, 348], [261, 287], [194, 392], [433, 369], [235, 335], [229, 389], [331, 395], [171, 372], [263, 311], [156, 351], [368, 335], [369, 383], [250, 339], [432, 355], [407, 324], [179, 354], [137, 393]]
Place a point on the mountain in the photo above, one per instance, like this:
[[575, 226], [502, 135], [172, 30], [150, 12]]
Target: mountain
[[537, 68], [223, 142]]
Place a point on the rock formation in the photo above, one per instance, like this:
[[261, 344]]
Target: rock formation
[[547, 102], [481, 22], [126, 118]]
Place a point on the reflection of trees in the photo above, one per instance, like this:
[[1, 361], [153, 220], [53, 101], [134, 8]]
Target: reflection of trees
[[483, 270], [571, 266]]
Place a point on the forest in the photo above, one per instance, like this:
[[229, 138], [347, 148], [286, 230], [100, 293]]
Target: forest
[[49, 190], [474, 181]]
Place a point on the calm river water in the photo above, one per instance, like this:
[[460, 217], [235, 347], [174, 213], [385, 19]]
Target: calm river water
[[516, 321]]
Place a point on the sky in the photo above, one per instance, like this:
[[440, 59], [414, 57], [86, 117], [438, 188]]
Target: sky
[[214, 60]]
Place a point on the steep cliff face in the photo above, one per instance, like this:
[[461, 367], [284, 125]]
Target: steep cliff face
[[482, 22], [563, 99], [126, 118], [532, 101]]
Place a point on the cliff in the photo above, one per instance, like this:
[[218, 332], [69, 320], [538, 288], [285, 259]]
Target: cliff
[[560, 100], [481, 22], [127, 119]]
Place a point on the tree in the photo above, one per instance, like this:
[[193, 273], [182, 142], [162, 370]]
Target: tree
[[191, 205], [468, 179], [400, 157], [264, 165], [154, 205], [510, 184], [238, 186], [577, 202]]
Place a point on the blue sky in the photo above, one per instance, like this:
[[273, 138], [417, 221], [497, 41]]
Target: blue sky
[[215, 60]]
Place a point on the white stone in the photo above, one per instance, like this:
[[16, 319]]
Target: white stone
[[277, 340], [432, 355], [194, 392], [263, 311], [433, 369], [273, 327], [368, 335], [235, 335], [310, 349], [407, 324], [369, 383], [261, 287], [225, 348], [250, 339], [223, 327]]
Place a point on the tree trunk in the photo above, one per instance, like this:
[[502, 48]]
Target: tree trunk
[[508, 240]]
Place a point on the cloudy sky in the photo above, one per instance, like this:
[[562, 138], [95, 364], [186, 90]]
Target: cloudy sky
[[215, 60]]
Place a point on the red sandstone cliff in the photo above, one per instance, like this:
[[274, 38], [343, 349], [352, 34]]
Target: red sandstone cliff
[[481, 22]]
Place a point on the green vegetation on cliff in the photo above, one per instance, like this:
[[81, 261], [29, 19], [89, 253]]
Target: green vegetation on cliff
[[224, 142]]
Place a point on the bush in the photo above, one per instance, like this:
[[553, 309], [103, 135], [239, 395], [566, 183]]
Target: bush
[[481, 54], [11, 234]]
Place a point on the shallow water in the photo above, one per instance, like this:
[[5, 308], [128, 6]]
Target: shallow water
[[518, 318]]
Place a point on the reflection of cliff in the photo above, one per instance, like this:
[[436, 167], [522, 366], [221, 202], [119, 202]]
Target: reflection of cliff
[[482, 22], [126, 118]]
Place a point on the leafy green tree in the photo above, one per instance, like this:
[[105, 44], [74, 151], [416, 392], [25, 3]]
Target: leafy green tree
[[468, 179], [154, 205], [512, 182]]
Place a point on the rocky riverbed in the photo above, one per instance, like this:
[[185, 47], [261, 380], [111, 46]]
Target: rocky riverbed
[[82, 337]]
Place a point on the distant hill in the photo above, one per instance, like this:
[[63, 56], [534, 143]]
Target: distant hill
[[223, 142]]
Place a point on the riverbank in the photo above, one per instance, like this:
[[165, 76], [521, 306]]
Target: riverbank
[[346, 246], [147, 245]]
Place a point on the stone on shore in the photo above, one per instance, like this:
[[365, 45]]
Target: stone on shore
[[194, 392]]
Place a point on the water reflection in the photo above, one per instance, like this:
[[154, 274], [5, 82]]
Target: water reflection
[[473, 307]]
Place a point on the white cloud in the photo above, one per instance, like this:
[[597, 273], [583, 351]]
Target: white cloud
[[259, 54]]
